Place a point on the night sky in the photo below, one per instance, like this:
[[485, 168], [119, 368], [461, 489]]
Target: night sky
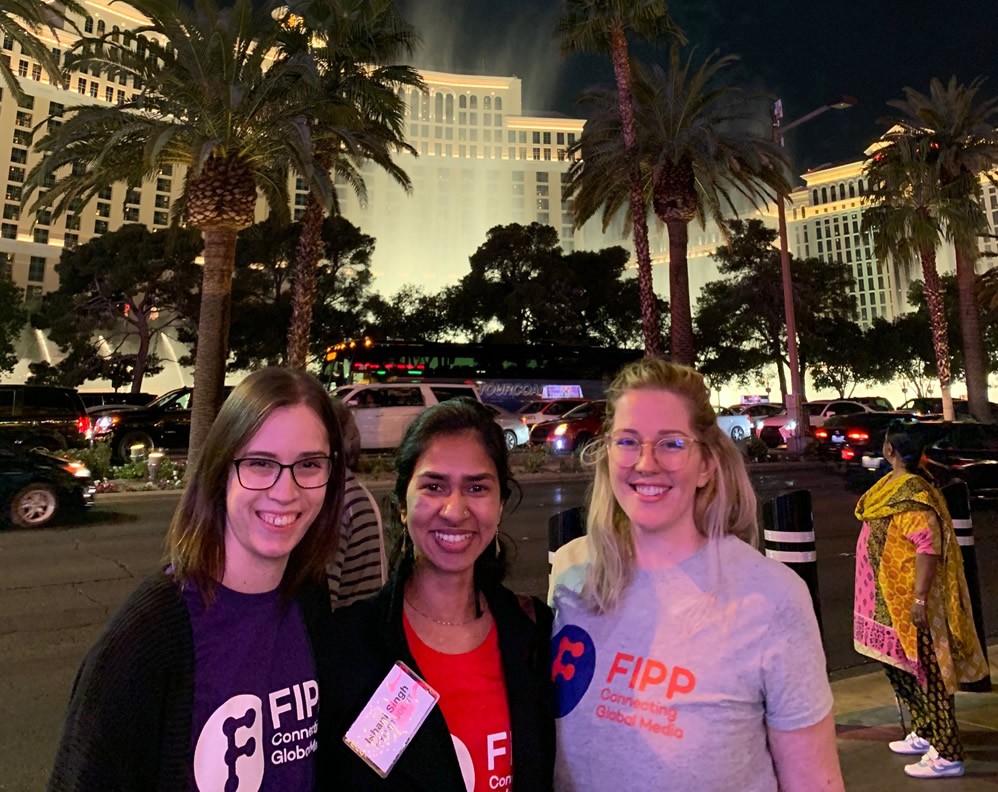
[[806, 53]]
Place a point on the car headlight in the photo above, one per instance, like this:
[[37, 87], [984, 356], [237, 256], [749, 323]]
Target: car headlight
[[560, 429], [759, 424], [791, 426], [105, 422], [77, 469]]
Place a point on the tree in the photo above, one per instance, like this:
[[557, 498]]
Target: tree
[[410, 314], [962, 130], [21, 21], [909, 212], [211, 102], [12, 320], [121, 289], [739, 320], [602, 26], [697, 156], [903, 351], [841, 356], [355, 45]]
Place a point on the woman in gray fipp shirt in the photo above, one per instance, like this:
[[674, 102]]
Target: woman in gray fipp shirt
[[690, 659]]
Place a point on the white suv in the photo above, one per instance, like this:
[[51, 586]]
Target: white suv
[[383, 411]]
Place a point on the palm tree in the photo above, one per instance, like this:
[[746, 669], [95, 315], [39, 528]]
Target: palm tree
[[22, 21], [909, 213], [697, 159], [209, 103], [355, 44], [963, 129], [602, 26]]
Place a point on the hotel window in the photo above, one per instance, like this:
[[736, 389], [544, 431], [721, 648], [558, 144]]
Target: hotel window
[[497, 119], [536, 138], [22, 68], [497, 105], [94, 87], [88, 25], [473, 102], [44, 217], [36, 269], [11, 212], [131, 214], [22, 137], [56, 55], [8, 230], [28, 103], [8, 43], [81, 86], [162, 185], [36, 72], [72, 222], [121, 97], [19, 155], [133, 197], [160, 218], [163, 201], [473, 119], [462, 118], [449, 108], [109, 94], [13, 192], [105, 194], [23, 119], [486, 119], [6, 266], [462, 102], [487, 103], [103, 209], [438, 107], [100, 226], [15, 174], [41, 236], [101, 27]]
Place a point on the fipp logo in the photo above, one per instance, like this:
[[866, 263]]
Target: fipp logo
[[573, 664], [229, 756]]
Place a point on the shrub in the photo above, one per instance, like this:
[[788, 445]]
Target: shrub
[[133, 471], [535, 459], [757, 450], [376, 465], [97, 459]]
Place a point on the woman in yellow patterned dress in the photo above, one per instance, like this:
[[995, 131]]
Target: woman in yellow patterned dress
[[912, 608]]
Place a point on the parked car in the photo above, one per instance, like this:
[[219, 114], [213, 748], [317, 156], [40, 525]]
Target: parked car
[[965, 450], [384, 410], [775, 430], [165, 423], [36, 487], [927, 407], [43, 416], [759, 410], [110, 398], [536, 412], [844, 436], [738, 426], [572, 431], [514, 430]]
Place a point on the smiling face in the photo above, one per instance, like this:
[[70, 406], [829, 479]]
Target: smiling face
[[655, 500], [262, 527], [453, 503]]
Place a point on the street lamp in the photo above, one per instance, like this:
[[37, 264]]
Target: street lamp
[[795, 410]]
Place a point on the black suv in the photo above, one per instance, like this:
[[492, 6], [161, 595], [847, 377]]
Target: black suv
[[43, 416], [93, 399], [165, 423]]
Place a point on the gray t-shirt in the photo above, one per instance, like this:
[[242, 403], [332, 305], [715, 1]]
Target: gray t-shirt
[[675, 688]]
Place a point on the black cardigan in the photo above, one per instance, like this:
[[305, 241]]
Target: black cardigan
[[128, 727], [369, 638]]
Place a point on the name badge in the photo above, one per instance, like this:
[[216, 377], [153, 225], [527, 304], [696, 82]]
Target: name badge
[[390, 719]]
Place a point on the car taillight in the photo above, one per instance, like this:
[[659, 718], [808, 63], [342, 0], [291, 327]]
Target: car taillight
[[857, 435], [83, 424], [821, 434], [848, 453]]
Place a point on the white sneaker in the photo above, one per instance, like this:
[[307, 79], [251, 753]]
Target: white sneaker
[[933, 765], [912, 744]]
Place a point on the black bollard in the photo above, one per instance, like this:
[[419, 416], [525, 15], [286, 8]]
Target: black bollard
[[563, 527], [789, 538], [957, 495]]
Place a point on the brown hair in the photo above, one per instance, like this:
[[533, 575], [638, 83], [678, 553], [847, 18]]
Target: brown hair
[[195, 541]]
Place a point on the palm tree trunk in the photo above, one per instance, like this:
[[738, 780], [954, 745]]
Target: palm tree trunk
[[307, 257], [937, 321], [974, 360], [651, 326], [681, 322], [213, 334]]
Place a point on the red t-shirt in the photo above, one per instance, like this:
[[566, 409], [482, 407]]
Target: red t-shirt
[[473, 701]]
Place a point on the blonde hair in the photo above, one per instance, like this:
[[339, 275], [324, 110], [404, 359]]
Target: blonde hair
[[724, 505]]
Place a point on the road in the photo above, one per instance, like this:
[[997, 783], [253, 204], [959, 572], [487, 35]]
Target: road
[[58, 587]]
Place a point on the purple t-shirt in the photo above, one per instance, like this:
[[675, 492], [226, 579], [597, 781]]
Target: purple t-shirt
[[256, 701]]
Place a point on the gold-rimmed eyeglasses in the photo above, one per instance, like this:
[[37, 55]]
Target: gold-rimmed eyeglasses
[[671, 451], [255, 473]]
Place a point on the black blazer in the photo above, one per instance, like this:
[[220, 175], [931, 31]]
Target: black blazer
[[368, 638]]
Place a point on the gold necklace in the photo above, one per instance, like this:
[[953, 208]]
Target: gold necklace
[[440, 621]]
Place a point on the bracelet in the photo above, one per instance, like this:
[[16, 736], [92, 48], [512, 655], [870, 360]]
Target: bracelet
[[919, 601]]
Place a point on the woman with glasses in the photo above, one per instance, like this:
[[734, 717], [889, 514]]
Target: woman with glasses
[[912, 608], [687, 657], [205, 678], [444, 618]]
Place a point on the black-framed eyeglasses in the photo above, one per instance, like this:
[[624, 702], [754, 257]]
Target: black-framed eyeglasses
[[256, 473], [671, 452]]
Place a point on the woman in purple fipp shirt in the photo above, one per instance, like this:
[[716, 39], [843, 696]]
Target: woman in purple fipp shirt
[[205, 679]]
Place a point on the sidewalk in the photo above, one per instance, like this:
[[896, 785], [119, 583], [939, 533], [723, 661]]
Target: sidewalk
[[866, 719]]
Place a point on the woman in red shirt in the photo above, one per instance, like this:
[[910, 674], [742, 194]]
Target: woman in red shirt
[[446, 615]]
